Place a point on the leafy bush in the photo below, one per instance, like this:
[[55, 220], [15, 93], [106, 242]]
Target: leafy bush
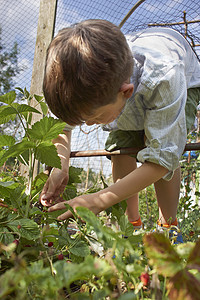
[[88, 257]]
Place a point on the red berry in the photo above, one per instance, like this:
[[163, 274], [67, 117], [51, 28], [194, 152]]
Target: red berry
[[50, 244], [191, 233], [14, 209], [145, 278], [16, 242], [60, 256], [19, 226]]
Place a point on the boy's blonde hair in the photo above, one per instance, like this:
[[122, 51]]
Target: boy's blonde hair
[[86, 65]]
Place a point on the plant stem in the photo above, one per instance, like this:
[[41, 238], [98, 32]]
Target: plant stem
[[51, 264], [23, 160], [19, 115], [30, 179], [164, 288]]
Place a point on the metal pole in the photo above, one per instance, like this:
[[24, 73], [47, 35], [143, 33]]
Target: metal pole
[[130, 12]]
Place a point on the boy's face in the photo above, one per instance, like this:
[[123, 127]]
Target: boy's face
[[107, 113]]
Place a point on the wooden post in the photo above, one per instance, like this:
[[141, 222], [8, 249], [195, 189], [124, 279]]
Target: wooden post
[[45, 32]]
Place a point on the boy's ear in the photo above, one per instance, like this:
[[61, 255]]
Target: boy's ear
[[127, 89]]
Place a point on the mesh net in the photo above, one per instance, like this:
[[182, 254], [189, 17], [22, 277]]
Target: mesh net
[[173, 14], [18, 23]]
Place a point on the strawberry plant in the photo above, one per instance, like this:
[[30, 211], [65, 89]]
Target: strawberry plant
[[87, 257]]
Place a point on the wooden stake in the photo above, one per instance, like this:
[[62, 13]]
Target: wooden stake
[[45, 32]]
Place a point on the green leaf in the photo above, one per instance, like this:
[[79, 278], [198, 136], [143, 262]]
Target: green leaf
[[24, 108], [38, 98], [74, 175], [125, 225], [2, 152], [101, 294], [17, 149], [4, 120], [161, 254], [47, 154], [7, 111], [7, 118], [183, 285], [38, 183], [86, 270], [44, 108], [19, 89], [26, 93], [5, 236], [70, 192], [6, 140], [194, 257], [6, 188], [3, 213], [12, 280], [128, 296], [197, 225], [185, 249], [89, 217], [80, 249], [24, 157], [29, 229], [8, 98], [47, 128], [118, 209], [40, 179], [7, 184]]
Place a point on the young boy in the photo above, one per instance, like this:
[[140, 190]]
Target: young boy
[[144, 88]]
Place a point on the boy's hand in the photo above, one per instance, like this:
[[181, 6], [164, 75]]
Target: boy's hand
[[54, 186], [92, 202]]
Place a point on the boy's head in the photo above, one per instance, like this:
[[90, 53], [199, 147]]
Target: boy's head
[[86, 67]]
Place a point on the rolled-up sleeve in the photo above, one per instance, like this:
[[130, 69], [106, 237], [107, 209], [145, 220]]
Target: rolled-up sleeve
[[164, 121]]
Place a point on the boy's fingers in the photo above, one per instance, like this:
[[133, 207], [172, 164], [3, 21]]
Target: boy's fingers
[[57, 206], [45, 203], [46, 195], [65, 216]]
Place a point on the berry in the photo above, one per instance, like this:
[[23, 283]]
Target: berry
[[145, 278], [50, 244], [60, 256], [14, 209], [191, 233], [16, 242], [19, 226]]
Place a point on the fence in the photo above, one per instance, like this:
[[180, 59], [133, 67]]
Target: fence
[[19, 21]]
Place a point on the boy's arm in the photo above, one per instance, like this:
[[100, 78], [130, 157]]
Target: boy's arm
[[58, 178], [131, 184]]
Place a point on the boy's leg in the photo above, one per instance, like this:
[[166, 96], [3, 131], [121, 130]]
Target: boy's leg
[[122, 165], [167, 193]]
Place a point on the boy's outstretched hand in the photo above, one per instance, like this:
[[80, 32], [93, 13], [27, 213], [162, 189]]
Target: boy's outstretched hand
[[92, 202], [54, 187]]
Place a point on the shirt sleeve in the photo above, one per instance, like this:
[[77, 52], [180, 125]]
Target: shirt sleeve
[[164, 121]]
